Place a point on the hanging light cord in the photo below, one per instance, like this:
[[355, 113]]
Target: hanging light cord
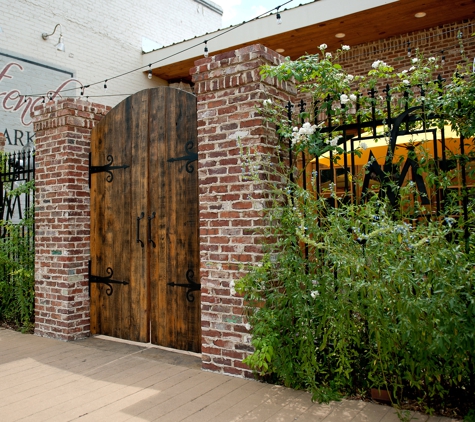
[[232, 28]]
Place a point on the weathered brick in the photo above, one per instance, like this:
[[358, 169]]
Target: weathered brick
[[239, 95], [62, 229]]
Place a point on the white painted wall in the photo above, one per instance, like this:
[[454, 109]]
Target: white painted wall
[[103, 38]]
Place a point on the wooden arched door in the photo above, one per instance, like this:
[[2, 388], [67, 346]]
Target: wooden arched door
[[144, 270]]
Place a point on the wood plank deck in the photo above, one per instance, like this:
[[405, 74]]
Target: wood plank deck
[[102, 380]]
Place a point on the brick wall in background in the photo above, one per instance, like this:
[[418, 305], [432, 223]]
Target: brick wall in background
[[62, 211], [228, 88], [439, 42]]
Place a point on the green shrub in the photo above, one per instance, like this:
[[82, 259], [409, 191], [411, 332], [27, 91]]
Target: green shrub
[[372, 294], [17, 262], [374, 300]]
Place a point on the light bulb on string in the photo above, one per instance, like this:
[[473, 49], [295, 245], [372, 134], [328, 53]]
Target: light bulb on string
[[43, 100], [279, 18], [409, 51], [443, 57], [105, 85], [206, 49], [150, 71]]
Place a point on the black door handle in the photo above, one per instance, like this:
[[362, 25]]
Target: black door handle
[[138, 229], [150, 229]]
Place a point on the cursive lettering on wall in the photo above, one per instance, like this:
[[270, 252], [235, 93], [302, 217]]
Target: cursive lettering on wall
[[14, 101]]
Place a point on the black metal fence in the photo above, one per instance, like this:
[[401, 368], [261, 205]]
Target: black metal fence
[[395, 146], [17, 169], [17, 173]]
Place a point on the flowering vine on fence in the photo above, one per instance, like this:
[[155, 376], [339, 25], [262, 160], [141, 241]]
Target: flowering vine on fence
[[373, 294]]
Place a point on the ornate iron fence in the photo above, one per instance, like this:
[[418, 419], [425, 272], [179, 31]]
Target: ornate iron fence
[[16, 227], [17, 168], [394, 148]]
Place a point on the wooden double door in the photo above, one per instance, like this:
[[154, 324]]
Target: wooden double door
[[144, 269]]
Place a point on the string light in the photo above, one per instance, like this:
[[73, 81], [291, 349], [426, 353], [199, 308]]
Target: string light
[[220, 34], [443, 57], [150, 71], [459, 35], [206, 49], [409, 52], [279, 18]]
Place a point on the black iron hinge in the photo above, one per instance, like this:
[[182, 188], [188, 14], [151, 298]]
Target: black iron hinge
[[190, 157], [108, 281], [105, 168], [192, 286]]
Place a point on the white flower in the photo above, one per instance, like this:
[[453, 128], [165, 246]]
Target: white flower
[[363, 145], [267, 102], [306, 125], [431, 59], [323, 46], [328, 55], [295, 129], [378, 63], [248, 326], [412, 68], [344, 98], [353, 97], [405, 81], [314, 294], [350, 77], [415, 60], [334, 142], [404, 71], [345, 47]]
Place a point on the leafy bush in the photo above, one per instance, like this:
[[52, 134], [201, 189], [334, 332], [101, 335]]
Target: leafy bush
[[376, 301], [358, 295], [17, 262]]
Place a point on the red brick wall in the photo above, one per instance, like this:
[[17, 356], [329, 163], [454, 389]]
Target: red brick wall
[[438, 41], [229, 88], [62, 217]]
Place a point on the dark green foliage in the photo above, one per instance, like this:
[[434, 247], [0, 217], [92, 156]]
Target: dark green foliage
[[378, 300], [17, 261]]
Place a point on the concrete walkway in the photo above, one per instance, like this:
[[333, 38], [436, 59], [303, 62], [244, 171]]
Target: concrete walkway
[[102, 380]]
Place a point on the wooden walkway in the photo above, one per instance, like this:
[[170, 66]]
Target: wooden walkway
[[102, 380]]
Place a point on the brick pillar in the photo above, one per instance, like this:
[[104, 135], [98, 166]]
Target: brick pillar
[[63, 132], [228, 88]]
